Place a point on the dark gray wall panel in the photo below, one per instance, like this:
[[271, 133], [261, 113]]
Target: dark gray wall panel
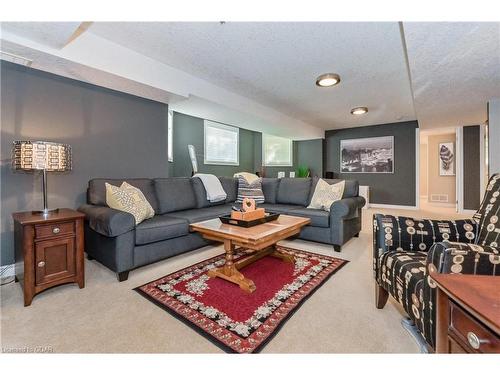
[[112, 135], [190, 130], [310, 154], [397, 188], [472, 167]]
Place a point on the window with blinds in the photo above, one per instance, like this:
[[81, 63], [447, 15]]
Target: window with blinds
[[221, 144], [277, 151]]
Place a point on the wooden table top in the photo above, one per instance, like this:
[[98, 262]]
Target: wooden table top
[[285, 223], [28, 217], [479, 295]]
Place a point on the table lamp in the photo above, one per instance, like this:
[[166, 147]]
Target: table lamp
[[42, 156]]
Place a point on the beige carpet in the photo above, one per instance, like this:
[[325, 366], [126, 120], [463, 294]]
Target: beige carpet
[[107, 316]]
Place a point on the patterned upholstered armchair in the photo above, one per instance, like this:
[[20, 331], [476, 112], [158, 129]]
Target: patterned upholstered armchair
[[406, 250]]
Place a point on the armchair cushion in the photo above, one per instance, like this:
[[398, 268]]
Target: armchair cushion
[[464, 258], [108, 221], [408, 234]]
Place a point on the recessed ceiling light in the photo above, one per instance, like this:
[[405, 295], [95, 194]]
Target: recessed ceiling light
[[359, 111], [327, 80]]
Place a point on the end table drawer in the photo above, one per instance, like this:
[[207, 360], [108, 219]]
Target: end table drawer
[[470, 333], [53, 230]]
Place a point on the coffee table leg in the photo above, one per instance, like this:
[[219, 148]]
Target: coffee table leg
[[286, 257], [229, 271]]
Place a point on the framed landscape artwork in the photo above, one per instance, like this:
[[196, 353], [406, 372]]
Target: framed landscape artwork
[[367, 155], [447, 159]]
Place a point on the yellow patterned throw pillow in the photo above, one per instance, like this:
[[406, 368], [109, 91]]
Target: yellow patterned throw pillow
[[325, 194], [129, 199]]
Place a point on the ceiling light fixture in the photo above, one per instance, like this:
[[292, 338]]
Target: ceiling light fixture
[[327, 80], [359, 111]]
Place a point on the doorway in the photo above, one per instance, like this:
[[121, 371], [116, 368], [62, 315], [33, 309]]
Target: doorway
[[438, 169]]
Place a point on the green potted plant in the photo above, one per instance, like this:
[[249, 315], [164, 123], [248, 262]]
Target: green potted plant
[[303, 171]]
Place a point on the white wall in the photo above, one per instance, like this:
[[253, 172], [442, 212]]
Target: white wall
[[443, 185], [494, 136]]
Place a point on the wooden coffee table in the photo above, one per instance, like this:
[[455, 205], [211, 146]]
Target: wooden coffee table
[[260, 240]]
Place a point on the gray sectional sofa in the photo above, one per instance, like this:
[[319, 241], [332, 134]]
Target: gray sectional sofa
[[112, 238]]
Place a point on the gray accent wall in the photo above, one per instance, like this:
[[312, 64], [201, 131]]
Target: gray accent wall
[[310, 154], [472, 167], [396, 188], [190, 130], [112, 134]]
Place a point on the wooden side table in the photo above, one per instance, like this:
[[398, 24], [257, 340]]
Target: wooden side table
[[49, 250], [468, 313]]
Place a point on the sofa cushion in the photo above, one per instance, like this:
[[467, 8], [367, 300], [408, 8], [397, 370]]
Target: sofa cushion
[[230, 185], [96, 193], [351, 187], [270, 189], [294, 191], [201, 194], [174, 194], [201, 214], [159, 228], [319, 218], [279, 208]]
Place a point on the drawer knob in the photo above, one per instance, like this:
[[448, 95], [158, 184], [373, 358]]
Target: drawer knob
[[41, 264], [474, 341], [56, 230]]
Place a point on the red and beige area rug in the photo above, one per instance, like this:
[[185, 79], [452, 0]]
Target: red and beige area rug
[[235, 320]]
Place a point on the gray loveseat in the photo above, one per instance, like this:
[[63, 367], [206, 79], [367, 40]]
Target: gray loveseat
[[112, 238]]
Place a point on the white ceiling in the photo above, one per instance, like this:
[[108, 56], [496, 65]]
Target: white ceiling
[[455, 71], [261, 75], [52, 34], [277, 64]]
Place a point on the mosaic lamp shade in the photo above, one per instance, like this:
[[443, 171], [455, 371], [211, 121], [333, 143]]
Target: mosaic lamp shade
[[41, 156]]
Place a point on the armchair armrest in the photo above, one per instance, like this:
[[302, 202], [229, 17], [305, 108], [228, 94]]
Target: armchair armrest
[[464, 258], [107, 221], [347, 207]]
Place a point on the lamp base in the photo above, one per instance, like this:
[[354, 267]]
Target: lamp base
[[45, 212]]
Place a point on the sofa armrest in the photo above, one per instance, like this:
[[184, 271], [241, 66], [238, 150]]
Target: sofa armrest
[[108, 221], [408, 234], [463, 258], [346, 208]]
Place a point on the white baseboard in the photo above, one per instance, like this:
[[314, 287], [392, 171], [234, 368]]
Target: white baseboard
[[393, 206], [8, 270], [437, 204], [468, 212]]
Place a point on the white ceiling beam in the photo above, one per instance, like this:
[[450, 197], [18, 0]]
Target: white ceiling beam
[[101, 55]]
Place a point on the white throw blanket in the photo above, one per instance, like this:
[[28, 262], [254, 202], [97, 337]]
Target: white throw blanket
[[213, 187]]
